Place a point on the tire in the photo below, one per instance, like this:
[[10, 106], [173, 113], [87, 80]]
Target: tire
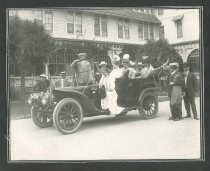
[[148, 105], [68, 116], [40, 119]]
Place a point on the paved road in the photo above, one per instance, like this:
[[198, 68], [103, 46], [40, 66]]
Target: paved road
[[106, 137]]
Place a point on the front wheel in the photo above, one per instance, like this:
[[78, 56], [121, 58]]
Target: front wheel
[[148, 105], [40, 117], [67, 116]]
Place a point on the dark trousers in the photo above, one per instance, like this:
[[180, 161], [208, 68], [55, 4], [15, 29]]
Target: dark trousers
[[190, 101], [176, 110]]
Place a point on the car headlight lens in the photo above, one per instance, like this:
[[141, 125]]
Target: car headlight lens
[[29, 101], [44, 101]]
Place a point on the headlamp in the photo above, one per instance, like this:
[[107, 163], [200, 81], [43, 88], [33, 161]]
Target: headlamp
[[44, 101], [29, 101]]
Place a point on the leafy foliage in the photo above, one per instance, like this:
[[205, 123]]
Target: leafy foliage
[[158, 52], [28, 42]]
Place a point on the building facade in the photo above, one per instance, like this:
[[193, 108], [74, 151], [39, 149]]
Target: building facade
[[106, 28], [182, 29]]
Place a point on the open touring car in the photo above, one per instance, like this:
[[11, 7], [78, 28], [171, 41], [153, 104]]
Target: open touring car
[[66, 106]]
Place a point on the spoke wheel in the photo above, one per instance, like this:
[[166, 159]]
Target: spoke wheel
[[68, 116], [148, 105], [40, 117]]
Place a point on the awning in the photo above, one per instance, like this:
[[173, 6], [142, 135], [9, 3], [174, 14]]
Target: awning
[[178, 17]]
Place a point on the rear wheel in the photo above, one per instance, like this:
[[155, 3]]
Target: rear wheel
[[148, 105], [40, 117], [67, 116]]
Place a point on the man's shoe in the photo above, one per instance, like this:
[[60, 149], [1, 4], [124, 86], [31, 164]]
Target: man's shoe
[[187, 117], [171, 118], [196, 118], [177, 119]]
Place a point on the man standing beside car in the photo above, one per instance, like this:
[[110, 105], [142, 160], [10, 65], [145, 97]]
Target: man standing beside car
[[190, 86], [83, 73], [175, 91]]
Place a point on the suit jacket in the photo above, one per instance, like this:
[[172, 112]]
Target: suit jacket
[[41, 86], [66, 83], [177, 80], [191, 84], [83, 72]]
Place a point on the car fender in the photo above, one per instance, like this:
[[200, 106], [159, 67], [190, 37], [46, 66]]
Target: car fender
[[153, 89], [85, 101]]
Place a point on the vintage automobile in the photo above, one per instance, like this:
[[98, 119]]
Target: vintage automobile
[[65, 107]]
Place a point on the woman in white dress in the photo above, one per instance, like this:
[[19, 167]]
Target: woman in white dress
[[111, 93], [103, 82]]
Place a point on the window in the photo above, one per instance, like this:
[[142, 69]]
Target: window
[[120, 28], [140, 31], [97, 25], [161, 33], [151, 32], [70, 22], [78, 22], [147, 11], [152, 11], [74, 22], [38, 16], [104, 26], [126, 29], [146, 35], [160, 11], [179, 28], [141, 10], [13, 13], [48, 21], [100, 26], [123, 28]]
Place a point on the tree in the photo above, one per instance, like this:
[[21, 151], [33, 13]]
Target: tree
[[158, 52], [28, 43]]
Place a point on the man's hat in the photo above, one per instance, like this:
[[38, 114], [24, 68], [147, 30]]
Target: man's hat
[[125, 58], [43, 75], [186, 65], [140, 64], [174, 64], [145, 57], [82, 54], [103, 63], [63, 73]]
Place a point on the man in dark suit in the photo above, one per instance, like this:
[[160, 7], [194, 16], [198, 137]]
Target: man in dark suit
[[42, 85], [175, 91], [190, 86]]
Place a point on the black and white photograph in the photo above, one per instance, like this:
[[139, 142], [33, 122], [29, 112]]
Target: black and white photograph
[[105, 84]]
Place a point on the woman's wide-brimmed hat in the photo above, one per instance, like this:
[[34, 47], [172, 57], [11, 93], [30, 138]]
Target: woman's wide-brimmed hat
[[125, 58], [116, 59]]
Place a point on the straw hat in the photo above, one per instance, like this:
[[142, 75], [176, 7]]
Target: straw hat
[[63, 73], [103, 63], [43, 75]]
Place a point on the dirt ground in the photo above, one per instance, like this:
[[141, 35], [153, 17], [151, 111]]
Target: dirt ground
[[110, 138]]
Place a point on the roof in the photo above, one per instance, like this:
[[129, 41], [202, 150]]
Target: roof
[[126, 13]]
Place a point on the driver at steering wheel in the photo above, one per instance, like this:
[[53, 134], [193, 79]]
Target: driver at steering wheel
[[42, 85]]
